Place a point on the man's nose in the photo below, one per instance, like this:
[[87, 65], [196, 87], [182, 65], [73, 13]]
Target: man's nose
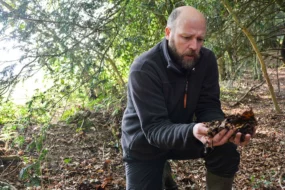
[[193, 44]]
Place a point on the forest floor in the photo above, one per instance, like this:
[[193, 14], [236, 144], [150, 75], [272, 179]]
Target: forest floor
[[91, 158]]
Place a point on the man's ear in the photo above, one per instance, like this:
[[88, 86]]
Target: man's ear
[[167, 32]]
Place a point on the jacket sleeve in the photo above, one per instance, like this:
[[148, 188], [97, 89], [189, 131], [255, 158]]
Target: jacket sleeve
[[146, 93], [209, 105]]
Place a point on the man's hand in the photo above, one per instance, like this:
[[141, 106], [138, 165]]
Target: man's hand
[[224, 136], [236, 139]]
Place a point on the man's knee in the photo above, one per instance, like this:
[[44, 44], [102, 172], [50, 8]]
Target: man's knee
[[223, 160], [144, 174], [168, 181]]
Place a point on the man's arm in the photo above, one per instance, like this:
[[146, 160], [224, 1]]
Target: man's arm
[[209, 105], [209, 109], [146, 93]]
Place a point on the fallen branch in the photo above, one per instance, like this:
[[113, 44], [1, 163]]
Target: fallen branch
[[251, 89], [4, 173], [10, 158]]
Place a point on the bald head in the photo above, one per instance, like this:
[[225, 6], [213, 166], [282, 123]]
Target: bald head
[[185, 32], [184, 14]]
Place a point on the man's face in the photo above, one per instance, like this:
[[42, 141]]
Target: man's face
[[185, 40]]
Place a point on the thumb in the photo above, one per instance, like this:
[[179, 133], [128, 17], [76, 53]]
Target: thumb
[[200, 131]]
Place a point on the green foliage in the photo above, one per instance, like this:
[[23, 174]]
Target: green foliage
[[11, 113], [13, 130], [24, 173], [68, 114], [67, 160], [266, 181], [15, 119], [31, 173], [19, 141], [81, 44], [229, 94], [8, 134]]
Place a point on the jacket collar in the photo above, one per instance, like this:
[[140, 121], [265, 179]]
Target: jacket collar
[[170, 62]]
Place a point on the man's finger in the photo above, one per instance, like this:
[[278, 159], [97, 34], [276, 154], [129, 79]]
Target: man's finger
[[221, 134], [237, 139], [227, 136], [246, 140], [222, 137], [254, 131]]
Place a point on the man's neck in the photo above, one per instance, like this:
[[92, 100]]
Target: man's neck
[[174, 59]]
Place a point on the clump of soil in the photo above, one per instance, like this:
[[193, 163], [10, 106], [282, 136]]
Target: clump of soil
[[244, 122]]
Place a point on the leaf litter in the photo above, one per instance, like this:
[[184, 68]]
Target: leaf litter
[[91, 159]]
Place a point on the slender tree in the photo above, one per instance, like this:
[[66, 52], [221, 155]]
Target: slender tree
[[257, 51]]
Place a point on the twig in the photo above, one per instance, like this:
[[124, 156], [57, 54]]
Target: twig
[[2, 174], [103, 155], [281, 180], [82, 123], [10, 158], [2, 89]]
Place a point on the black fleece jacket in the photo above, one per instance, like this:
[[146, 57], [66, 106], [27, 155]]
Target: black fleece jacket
[[156, 124]]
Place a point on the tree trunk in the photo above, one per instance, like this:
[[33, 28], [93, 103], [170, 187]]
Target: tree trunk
[[257, 51], [283, 50], [221, 65], [114, 67], [230, 64], [281, 4], [257, 72]]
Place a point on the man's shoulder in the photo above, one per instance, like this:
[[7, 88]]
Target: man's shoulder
[[207, 56], [148, 58], [206, 51]]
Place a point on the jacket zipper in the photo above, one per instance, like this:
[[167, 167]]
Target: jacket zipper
[[186, 91], [185, 94]]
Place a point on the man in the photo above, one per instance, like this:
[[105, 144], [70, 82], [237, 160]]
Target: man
[[169, 85]]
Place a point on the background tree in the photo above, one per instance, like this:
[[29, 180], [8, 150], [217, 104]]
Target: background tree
[[86, 45]]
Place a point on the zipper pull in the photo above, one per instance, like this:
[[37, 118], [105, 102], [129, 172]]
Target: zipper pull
[[185, 93]]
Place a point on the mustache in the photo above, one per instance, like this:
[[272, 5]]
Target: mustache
[[194, 54]]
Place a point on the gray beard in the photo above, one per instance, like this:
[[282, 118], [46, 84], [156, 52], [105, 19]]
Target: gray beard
[[188, 64], [179, 59]]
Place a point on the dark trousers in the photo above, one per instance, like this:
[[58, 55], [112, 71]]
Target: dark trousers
[[148, 175]]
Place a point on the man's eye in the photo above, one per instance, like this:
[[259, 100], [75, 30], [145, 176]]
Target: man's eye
[[200, 40], [186, 37]]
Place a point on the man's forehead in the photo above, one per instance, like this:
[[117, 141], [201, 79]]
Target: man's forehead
[[192, 33], [193, 21], [190, 29]]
